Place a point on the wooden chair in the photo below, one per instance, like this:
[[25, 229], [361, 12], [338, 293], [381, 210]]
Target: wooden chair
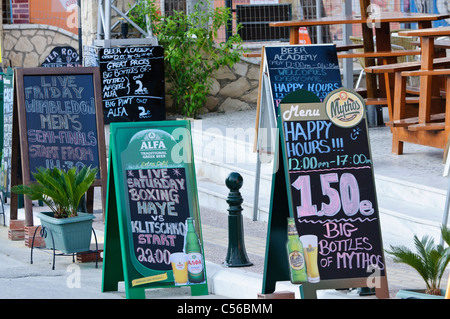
[[407, 43], [389, 70]]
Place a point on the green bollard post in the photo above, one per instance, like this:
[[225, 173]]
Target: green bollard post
[[236, 254]]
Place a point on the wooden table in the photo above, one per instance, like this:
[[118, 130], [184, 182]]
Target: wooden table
[[381, 22], [382, 31]]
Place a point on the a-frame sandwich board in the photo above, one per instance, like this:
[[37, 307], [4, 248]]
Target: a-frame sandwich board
[[324, 179], [152, 192]]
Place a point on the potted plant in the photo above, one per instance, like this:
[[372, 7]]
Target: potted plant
[[67, 229], [429, 260]]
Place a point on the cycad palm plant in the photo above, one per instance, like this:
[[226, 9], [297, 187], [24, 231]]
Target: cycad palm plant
[[429, 260], [60, 191]]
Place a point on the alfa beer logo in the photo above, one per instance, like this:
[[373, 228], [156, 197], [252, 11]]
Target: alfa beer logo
[[152, 141], [344, 108]]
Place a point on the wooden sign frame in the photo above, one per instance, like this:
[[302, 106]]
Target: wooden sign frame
[[282, 202], [148, 147], [20, 131]]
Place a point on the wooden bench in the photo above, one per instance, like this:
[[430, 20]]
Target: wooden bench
[[404, 66], [252, 54], [392, 73], [432, 125], [378, 54]]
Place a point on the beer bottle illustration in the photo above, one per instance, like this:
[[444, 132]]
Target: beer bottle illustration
[[297, 266], [193, 250]]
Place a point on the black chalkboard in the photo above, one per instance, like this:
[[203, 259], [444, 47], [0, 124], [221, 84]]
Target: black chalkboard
[[169, 204], [310, 67], [59, 120], [61, 57], [326, 165], [133, 84], [332, 185], [285, 69]]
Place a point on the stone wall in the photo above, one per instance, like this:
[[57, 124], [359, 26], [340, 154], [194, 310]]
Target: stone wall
[[235, 89], [28, 45]]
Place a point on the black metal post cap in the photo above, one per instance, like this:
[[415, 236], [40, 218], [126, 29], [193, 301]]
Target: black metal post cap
[[234, 181]]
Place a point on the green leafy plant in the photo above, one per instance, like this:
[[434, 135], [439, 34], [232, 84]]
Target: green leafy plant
[[60, 191], [429, 260], [191, 53]]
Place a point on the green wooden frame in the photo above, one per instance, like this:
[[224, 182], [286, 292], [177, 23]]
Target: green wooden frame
[[120, 262]]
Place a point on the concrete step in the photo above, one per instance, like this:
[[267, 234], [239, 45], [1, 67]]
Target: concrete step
[[408, 209], [410, 192], [213, 192], [401, 220], [214, 196]]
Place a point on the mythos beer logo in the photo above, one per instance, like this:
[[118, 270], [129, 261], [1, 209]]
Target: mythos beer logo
[[344, 108]]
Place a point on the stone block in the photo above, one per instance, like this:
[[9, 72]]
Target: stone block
[[17, 224], [236, 88], [16, 235], [233, 105]]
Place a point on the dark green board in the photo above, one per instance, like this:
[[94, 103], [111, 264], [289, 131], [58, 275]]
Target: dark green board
[[151, 192], [325, 181]]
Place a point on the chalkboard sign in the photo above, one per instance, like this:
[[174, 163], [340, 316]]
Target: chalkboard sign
[[285, 69], [61, 57], [327, 168], [8, 100], [153, 210], [314, 68], [133, 84], [90, 56], [59, 120]]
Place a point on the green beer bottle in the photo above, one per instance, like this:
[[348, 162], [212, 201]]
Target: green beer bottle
[[297, 267], [193, 250]]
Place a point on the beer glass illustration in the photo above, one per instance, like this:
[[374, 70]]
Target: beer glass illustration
[[310, 249], [179, 267]]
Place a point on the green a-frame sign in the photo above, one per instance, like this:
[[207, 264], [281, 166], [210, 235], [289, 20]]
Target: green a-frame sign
[[151, 193]]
